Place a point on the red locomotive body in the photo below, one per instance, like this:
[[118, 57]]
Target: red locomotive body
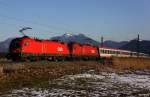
[[90, 51], [55, 48], [84, 51], [29, 48], [44, 47]]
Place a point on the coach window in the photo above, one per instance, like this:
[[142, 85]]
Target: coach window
[[26, 43], [107, 51], [112, 52], [103, 51], [118, 52]]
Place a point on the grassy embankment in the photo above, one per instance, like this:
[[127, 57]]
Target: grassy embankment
[[38, 74]]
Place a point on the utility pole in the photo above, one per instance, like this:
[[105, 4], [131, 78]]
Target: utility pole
[[138, 45], [102, 41]]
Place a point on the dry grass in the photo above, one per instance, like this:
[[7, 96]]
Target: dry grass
[[131, 63], [38, 74]]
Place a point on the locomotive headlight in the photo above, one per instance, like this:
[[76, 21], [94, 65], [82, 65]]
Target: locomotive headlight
[[26, 43], [92, 51]]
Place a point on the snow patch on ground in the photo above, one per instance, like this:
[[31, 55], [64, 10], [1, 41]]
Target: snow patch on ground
[[92, 85]]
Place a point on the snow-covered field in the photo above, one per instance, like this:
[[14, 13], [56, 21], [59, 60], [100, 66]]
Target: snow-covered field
[[135, 84]]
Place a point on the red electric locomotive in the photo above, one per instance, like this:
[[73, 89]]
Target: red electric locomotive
[[90, 52], [32, 49], [83, 51]]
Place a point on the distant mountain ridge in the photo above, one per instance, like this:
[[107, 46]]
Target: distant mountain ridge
[[114, 44], [4, 45], [144, 46], [80, 38]]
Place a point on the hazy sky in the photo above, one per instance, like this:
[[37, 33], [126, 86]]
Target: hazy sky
[[114, 19]]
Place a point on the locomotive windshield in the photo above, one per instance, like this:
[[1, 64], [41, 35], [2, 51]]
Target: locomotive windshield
[[15, 43]]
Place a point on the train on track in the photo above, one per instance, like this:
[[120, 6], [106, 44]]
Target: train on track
[[27, 48]]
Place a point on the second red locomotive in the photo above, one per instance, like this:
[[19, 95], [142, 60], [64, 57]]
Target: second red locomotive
[[79, 51]]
